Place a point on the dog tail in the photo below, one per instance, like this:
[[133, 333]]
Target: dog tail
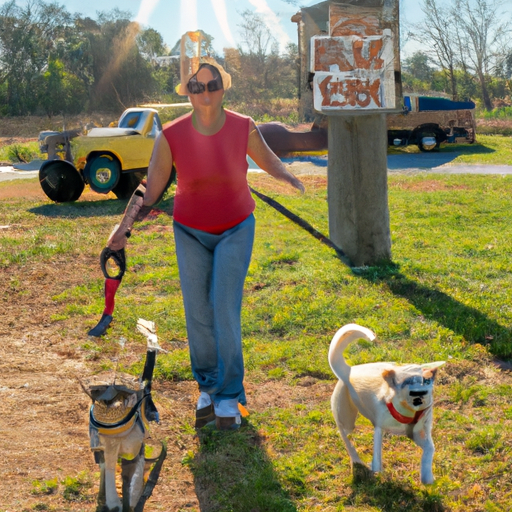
[[341, 340]]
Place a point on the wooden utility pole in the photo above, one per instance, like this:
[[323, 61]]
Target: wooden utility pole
[[356, 82], [357, 192]]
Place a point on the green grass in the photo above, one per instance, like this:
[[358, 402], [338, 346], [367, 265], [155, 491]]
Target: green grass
[[446, 296]]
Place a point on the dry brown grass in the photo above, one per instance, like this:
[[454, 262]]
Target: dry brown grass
[[30, 126]]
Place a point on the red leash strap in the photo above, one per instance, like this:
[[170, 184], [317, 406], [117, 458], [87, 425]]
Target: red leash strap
[[111, 286]]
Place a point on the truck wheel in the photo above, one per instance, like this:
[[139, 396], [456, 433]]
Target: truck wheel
[[60, 181], [427, 141], [128, 182], [102, 173]]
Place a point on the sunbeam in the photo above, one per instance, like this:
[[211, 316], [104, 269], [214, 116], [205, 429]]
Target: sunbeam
[[145, 11], [219, 6], [188, 16]]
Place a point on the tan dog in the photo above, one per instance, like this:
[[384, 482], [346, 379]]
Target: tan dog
[[396, 399], [119, 427]]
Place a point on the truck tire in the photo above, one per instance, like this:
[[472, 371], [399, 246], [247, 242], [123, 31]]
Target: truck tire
[[128, 182], [102, 173], [60, 181]]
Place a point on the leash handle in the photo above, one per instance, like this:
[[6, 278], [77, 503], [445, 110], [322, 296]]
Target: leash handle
[[119, 258]]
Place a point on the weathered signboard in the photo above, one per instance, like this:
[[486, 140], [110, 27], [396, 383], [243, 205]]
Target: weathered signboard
[[354, 66]]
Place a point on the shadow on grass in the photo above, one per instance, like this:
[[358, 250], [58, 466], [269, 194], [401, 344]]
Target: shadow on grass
[[372, 491], [88, 209], [436, 305], [233, 472], [468, 322]]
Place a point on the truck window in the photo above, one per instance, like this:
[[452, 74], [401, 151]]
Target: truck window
[[130, 120]]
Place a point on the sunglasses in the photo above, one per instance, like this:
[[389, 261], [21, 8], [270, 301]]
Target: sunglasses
[[195, 87]]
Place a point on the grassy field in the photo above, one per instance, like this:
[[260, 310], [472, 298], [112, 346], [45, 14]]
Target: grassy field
[[445, 296]]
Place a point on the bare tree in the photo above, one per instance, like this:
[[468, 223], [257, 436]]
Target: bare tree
[[472, 36], [437, 32], [482, 31]]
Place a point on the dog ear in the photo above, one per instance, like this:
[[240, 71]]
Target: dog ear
[[389, 377], [429, 373], [430, 369]]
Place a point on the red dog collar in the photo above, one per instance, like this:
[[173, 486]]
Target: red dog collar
[[406, 420]]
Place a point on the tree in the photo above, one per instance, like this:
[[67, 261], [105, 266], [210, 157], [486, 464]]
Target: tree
[[61, 92], [468, 39], [27, 37], [122, 77], [438, 33], [482, 32], [418, 66], [258, 70], [151, 44]]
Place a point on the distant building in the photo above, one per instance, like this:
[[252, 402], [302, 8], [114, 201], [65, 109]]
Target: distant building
[[165, 60]]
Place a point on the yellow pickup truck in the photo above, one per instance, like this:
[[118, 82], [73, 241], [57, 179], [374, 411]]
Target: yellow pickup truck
[[107, 159]]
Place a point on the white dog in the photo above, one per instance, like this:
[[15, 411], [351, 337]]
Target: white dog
[[396, 399]]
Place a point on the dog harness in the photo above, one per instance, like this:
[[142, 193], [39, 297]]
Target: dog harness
[[406, 420], [112, 421]]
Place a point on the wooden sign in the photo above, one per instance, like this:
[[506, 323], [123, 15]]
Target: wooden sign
[[354, 66]]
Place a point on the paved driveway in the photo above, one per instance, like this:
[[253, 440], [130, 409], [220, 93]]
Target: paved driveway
[[408, 163], [9, 173], [440, 163]]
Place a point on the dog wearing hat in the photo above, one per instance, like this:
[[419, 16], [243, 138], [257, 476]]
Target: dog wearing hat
[[396, 399], [119, 420]]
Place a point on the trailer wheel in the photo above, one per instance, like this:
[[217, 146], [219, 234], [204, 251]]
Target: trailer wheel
[[60, 181], [102, 173], [428, 141]]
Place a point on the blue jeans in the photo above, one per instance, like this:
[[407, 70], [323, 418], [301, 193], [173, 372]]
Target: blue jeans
[[212, 271]]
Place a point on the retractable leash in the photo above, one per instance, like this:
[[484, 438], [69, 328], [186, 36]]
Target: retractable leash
[[111, 285], [135, 210]]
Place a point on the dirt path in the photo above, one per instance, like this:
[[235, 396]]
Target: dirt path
[[44, 412]]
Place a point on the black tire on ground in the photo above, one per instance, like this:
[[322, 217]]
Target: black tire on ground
[[60, 181], [102, 173], [128, 182]]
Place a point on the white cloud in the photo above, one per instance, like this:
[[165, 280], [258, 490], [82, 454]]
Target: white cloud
[[271, 21]]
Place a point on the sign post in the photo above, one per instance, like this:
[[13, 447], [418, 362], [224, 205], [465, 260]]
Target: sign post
[[356, 82]]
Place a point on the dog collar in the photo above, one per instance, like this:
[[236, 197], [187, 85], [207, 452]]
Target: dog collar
[[406, 420]]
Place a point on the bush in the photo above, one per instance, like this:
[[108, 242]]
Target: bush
[[20, 153]]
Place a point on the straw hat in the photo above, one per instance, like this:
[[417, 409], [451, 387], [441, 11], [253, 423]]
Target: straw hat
[[193, 67]]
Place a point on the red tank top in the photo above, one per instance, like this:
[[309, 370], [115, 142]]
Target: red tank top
[[212, 192]]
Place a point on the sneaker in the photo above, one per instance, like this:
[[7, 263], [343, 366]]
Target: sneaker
[[227, 414], [205, 411]]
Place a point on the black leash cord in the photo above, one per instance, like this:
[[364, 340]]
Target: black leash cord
[[301, 222]]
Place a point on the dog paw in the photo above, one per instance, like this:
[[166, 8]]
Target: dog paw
[[427, 480]]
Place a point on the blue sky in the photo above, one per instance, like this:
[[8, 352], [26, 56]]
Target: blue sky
[[219, 18]]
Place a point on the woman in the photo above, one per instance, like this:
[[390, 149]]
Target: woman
[[214, 232]]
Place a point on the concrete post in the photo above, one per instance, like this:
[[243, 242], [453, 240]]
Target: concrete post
[[357, 190]]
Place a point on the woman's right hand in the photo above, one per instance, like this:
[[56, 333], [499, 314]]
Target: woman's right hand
[[117, 239]]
